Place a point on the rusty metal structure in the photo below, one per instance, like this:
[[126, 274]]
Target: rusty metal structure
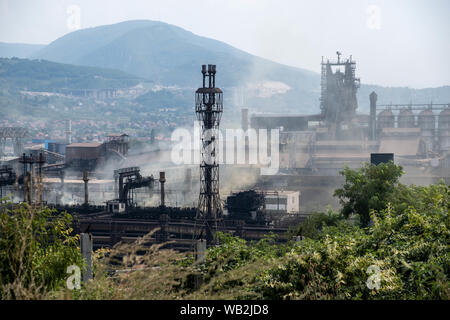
[[209, 107], [127, 180], [7, 177], [338, 101], [16, 134], [29, 176]]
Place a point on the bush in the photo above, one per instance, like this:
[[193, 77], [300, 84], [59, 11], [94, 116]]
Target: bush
[[36, 247], [409, 247]]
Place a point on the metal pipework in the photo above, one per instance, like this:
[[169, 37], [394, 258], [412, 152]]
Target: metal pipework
[[86, 192], [373, 116], [162, 180]]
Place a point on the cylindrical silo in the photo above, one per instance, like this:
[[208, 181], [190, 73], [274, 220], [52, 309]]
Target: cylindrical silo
[[426, 123], [444, 130], [405, 119], [386, 119]]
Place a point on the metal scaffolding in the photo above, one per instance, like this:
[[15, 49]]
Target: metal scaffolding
[[208, 107]]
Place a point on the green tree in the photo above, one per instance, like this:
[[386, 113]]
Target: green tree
[[368, 188]]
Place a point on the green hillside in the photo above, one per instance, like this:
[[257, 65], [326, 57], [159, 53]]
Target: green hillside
[[42, 75], [19, 75], [171, 56]]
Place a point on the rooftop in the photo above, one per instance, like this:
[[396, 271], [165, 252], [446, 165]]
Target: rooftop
[[84, 145]]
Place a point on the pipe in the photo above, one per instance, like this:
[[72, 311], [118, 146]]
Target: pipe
[[162, 180], [373, 116], [86, 192]]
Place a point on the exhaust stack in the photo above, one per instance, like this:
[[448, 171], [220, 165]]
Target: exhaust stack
[[162, 180], [86, 192]]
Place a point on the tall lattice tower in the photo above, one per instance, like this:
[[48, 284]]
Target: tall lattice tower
[[208, 107]]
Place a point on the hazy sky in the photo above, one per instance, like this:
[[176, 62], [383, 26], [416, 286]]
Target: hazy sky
[[395, 42]]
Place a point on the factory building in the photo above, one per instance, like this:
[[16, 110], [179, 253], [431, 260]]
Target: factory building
[[89, 156], [85, 156], [118, 143], [313, 149], [324, 143]]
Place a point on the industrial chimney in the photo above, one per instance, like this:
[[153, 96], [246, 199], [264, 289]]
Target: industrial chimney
[[162, 180], [86, 192]]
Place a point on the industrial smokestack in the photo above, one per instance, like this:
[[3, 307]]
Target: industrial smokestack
[[86, 192], [373, 116], [162, 180]]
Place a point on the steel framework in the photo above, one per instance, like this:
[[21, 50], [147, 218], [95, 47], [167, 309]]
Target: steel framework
[[16, 134], [209, 107], [338, 91], [28, 177]]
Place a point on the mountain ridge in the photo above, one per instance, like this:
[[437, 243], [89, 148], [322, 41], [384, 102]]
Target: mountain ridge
[[171, 56], [160, 39]]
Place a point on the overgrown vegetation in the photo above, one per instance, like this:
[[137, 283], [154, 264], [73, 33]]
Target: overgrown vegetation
[[406, 243], [36, 247]]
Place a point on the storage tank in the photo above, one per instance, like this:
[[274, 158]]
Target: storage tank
[[386, 119], [406, 119], [427, 123], [444, 130]]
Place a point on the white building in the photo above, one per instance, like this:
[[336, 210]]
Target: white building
[[282, 201]]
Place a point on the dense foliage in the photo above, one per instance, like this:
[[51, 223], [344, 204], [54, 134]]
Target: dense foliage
[[36, 247], [368, 188], [408, 243], [409, 248], [403, 254]]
